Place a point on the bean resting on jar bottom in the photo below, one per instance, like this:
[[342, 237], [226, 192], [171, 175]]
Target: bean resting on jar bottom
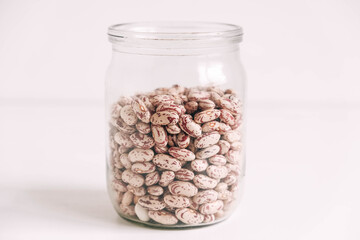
[[176, 155]]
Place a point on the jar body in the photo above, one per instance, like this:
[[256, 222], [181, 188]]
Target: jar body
[[175, 151]]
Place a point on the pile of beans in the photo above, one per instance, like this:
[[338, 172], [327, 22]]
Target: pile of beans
[[176, 154]]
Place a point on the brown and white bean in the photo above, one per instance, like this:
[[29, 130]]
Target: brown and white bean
[[183, 140], [152, 178], [155, 190], [208, 152], [166, 178], [134, 179], [224, 147], [167, 162], [206, 104], [140, 110], [137, 191], [140, 155], [181, 154], [204, 182], [163, 217], [217, 172], [151, 202], [184, 175], [218, 160], [189, 126], [142, 141], [143, 128], [207, 140], [160, 135], [205, 196], [189, 216], [182, 188], [206, 116], [164, 118], [211, 208], [173, 129], [143, 167], [199, 165], [128, 115], [175, 201]]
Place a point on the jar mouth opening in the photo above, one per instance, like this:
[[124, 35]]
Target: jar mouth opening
[[175, 32]]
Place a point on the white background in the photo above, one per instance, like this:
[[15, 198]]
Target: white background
[[302, 60]]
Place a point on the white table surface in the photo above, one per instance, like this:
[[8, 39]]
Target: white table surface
[[302, 180]]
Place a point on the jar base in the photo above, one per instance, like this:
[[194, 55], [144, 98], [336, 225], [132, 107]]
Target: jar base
[[174, 227]]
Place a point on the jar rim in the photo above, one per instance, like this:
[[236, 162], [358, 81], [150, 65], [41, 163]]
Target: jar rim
[[178, 31]]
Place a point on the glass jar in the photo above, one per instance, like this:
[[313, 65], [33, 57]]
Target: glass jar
[[175, 110]]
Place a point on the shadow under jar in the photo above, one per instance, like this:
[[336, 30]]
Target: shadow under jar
[[175, 117]]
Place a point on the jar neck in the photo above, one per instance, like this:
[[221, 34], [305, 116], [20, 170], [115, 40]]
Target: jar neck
[[173, 50]]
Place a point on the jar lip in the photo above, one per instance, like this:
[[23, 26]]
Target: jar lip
[[175, 31]]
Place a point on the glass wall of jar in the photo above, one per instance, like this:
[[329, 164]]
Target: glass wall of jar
[[175, 115]]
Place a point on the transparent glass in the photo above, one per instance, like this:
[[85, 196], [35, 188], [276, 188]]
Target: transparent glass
[[175, 114]]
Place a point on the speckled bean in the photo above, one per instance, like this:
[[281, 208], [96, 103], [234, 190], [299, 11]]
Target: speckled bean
[[204, 182], [217, 172], [137, 191], [127, 198], [224, 146], [184, 175], [205, 196], [160, 135], [167, 162], [125, 161], [164, 118], [207, 140], [132, 178], [166, 178], [127, 210], [218, 160], [208, 218], [155, 190], [171, 107], [211, 208], [181, 154], [142, 141], [123, 140], [162, 99], [199, 165], [230, 105], [122, 126], [227, 117], [210, 126], [163, 217], [128, 115], [182, 188], [232, 136], [189, 126], [189, 216], [206, 104], [173, 129], [142, 127], [182, 140], [176, 201], [140, 155], [152, 178], [233, 156], [151, 202], [208, 152], [119, 185], [143, 167], [191, 107]]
